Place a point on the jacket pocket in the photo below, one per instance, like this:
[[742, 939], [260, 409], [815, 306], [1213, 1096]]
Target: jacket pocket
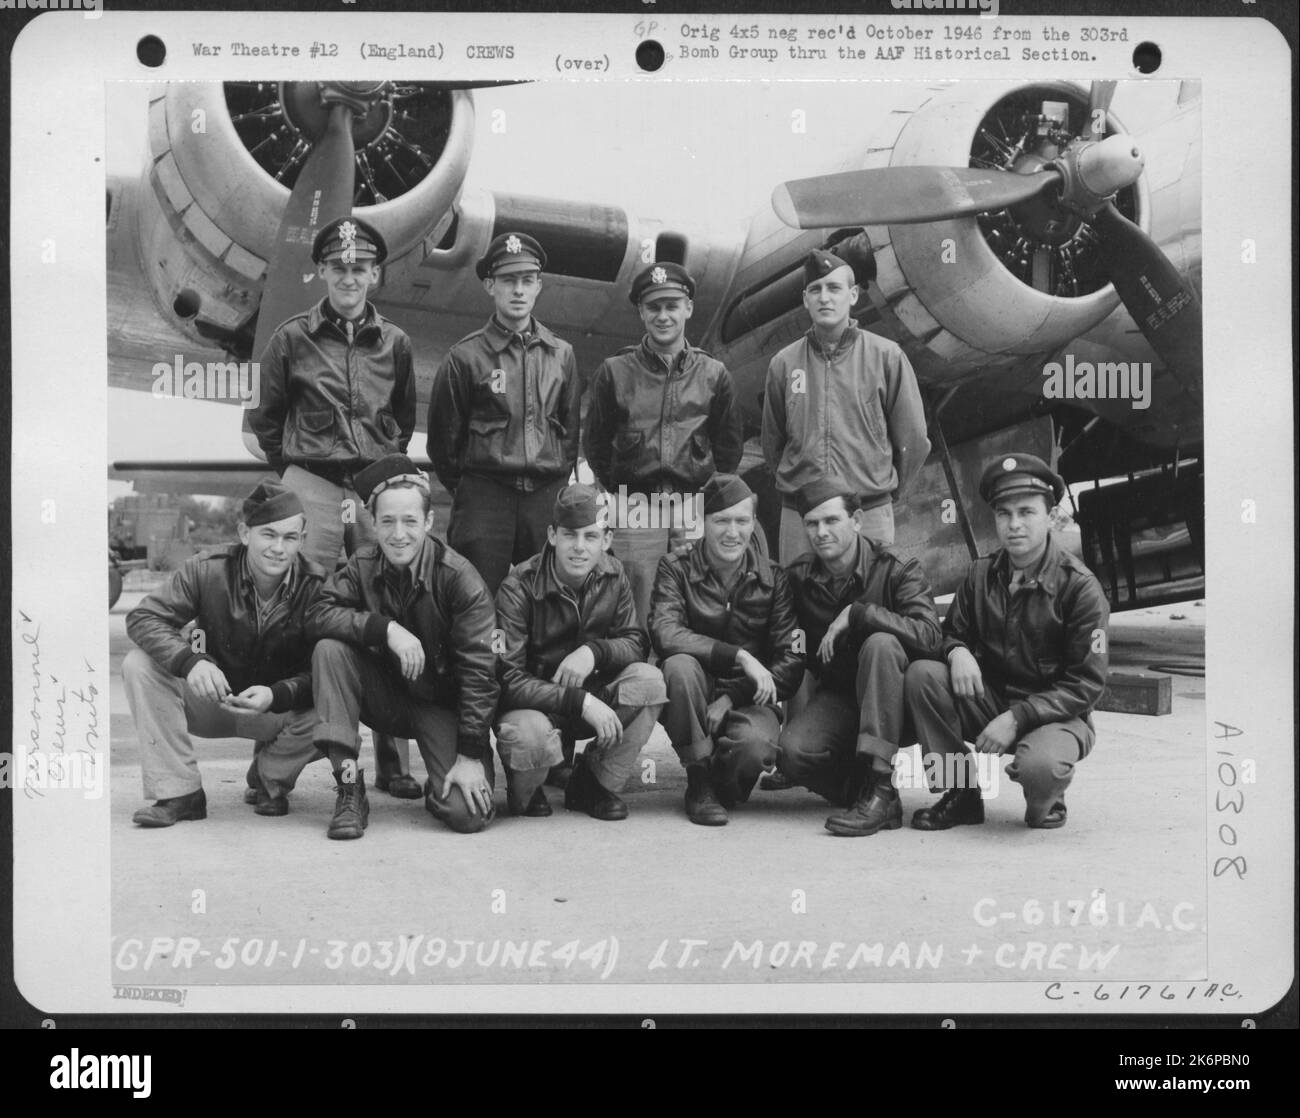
[[389, 426], [874, 414], [315, 434], [487, 437], [628, 447]]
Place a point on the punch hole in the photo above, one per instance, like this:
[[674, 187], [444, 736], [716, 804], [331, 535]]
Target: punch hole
[[151, 51], [1146, 58], [649, 55]]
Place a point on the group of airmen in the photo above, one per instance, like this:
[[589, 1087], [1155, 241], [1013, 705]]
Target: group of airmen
[[551, 620]]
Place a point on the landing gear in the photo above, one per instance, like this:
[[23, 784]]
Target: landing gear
[[1144, 538]]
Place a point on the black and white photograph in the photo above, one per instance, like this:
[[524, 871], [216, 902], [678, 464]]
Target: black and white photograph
[[588, 540]]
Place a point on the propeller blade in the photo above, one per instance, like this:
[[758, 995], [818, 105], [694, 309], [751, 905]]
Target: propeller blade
[[902, 195], [1164, 307], [322, 193], [1099, 98]]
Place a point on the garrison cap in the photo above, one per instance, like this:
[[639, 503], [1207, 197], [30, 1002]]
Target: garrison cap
[[821, 491], [352, 240], [1020, 473], [657, 278], [819, 264], [722, 491], [378, 476], [511, 252], [577, 506], [269, 502]]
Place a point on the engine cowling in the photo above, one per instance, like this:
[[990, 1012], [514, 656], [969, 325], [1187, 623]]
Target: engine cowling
[[1017, 281], [223, 158]]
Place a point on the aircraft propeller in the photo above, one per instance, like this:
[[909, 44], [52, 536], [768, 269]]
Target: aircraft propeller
[[1050, 196], [323, 192]]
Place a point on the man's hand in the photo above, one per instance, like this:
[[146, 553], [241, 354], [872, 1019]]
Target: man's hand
[[967, 680], [208, 681], [575, 667], [407, 648], [256, 699], [826, 650], [601, 718], [470, 777], [717, 713], [999, 735], [764, 684]]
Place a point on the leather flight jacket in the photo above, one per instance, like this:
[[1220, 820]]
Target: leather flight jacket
[[884, 593], [656, 426], [441, 600], [542, 620], [329, 404], [506, 406], [692, 612], [215, 590], [1038, 645]]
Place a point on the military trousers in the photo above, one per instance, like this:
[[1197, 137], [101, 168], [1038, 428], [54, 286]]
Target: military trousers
[[826, 746], [530, 742], [744, 745], [353, 686], [495, 525], [1043, 759], [167, 712]]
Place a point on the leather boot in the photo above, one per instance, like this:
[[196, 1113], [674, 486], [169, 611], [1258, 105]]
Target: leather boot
[[560, 775], [702, 805], [537, 807], [958, 806], [351, 811], [193, 805], [253, 782], [262, 800], [1054, 818], [585, 793], [877, 808]]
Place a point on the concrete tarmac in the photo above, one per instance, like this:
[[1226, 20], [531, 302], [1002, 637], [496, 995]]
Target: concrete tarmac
[[1117, 895]]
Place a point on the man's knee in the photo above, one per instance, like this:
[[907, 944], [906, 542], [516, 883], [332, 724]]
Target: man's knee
[[1039, 770], [801, 738], [883, 648], [333, 653], [640, 685], [752, 738], [137, 665], [924, 679], [681, 670], [527, 739], [455, 813]]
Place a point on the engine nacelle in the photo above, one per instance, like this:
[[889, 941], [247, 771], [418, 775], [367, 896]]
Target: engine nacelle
[[951, 284], [212, 206]]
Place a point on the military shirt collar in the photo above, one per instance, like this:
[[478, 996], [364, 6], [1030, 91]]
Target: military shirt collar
[[861, 569], [284, 587], [420, 570], [1046, 575], [700, 568], [546, 580], [657, 360], [322, 313], [499, 336], [846, 338]]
